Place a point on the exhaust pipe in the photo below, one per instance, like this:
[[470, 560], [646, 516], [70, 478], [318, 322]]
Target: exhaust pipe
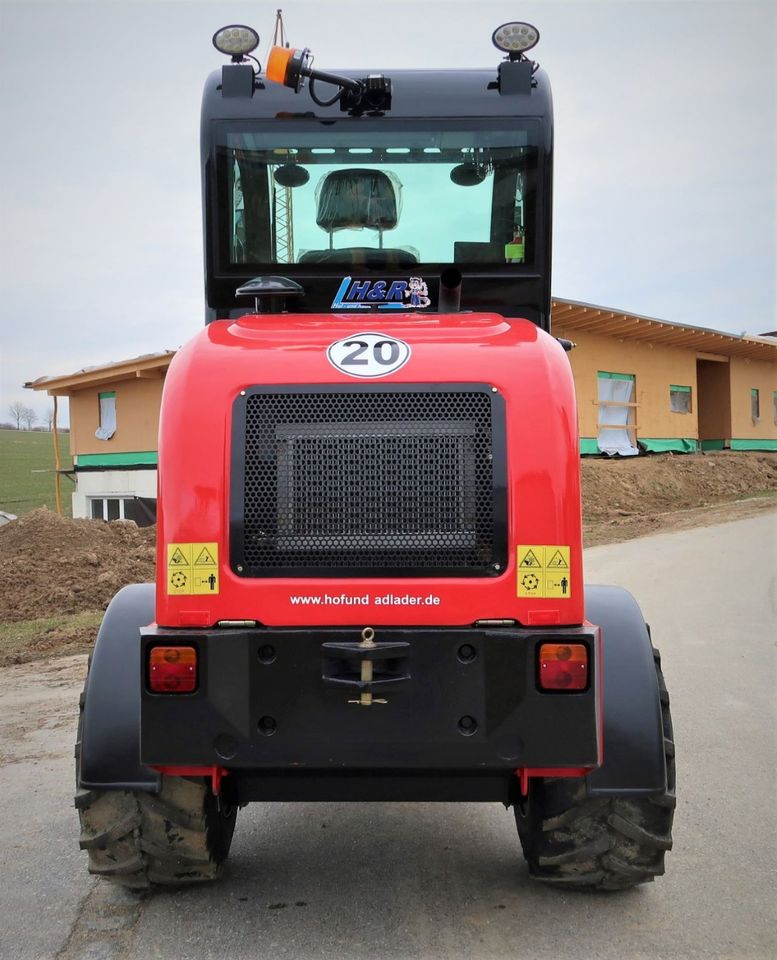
[[449, 300]]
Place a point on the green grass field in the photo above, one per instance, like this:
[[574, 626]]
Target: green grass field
[[27, 471]]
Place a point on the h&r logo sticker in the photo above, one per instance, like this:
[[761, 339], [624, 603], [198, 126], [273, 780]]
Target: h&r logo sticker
[[355, 294]]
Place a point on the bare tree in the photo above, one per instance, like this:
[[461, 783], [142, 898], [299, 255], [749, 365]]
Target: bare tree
[[16, 409], [29, 416], [50, 419]]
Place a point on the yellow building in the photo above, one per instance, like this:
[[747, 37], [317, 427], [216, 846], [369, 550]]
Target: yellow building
[[684, 388], [642, 384], [114, 422]]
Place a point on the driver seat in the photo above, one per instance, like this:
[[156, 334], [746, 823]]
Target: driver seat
[[352, 199]]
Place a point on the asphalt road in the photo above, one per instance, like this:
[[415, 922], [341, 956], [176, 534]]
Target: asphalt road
[[444, 881]]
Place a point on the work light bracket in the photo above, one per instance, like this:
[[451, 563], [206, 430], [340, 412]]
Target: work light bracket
[[515, 77], [237, 80]]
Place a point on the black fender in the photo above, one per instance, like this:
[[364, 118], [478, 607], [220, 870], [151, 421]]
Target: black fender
[[633, 739], [110, 735]]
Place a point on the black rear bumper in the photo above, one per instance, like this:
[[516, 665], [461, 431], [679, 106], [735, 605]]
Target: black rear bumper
[[281, 710]]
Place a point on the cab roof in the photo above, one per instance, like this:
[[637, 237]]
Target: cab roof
[[415, 93]]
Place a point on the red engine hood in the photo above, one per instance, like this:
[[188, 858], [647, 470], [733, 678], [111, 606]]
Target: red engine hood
[[527, 366]]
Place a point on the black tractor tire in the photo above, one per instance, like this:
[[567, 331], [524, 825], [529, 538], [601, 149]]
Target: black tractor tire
[[139, 840], [598, 843]]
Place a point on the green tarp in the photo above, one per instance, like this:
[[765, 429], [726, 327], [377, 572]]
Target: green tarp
[[753, 444], [765, 444], [116, 459], [589, 446], [671, 445]]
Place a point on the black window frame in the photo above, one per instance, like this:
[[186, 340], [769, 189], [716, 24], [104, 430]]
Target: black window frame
[[217, 199]]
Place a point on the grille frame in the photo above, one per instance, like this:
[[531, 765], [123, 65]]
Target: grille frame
[[237, 458]]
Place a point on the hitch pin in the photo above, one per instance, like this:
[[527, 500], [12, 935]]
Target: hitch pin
[[367, 642]]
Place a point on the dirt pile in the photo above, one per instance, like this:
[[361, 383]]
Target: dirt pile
[[55, 566], [650, 485], [68, 570]]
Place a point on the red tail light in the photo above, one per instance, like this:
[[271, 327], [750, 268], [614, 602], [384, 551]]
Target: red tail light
[[563, 666], [172, 670]]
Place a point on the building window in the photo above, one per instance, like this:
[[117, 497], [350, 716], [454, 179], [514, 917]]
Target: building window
[[107, 426], [106, 508], [140, 509], [617, 406], [755, 405], [679, 399]]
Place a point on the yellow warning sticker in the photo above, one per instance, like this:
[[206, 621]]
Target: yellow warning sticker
[[176, 556], [531, 583], [559, 560], [544, 571], [556, 584], [192, 568], [528, 558], [204, 557]]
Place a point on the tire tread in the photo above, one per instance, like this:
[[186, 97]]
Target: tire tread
[[571, 840], [139, 840]]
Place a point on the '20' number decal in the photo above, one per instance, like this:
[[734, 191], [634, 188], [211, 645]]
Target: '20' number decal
[[368, 354]]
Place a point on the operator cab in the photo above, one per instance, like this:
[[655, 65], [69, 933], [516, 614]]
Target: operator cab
[[368, 198]]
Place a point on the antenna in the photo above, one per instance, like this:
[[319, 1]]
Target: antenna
[[279, 37], [282, 203]]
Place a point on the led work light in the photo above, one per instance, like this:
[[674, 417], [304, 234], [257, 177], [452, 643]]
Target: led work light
[[235, 40], [515, 38]]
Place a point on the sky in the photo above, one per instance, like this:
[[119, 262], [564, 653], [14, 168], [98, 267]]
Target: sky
[[665, 156]]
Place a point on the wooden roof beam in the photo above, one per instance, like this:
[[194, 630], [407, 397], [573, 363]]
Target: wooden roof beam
[[670, 337], [100, 375], [556, 307], [594, 324], [616, 329], [752, 352], [716, 357], [578, 313]]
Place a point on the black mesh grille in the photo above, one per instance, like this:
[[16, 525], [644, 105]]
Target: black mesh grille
[[368, 480]]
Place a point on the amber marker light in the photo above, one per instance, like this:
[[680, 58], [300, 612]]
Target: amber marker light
[[289, 67], [278, 64], [563, 666], [172, 670]]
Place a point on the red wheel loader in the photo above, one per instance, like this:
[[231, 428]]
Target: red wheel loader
[[369, 572]]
